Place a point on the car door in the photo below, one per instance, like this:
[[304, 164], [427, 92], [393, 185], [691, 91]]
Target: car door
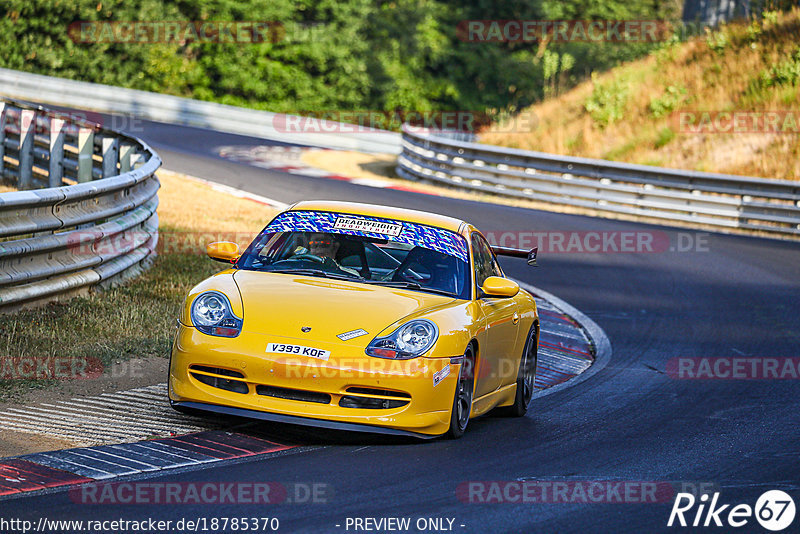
[[500, 318]]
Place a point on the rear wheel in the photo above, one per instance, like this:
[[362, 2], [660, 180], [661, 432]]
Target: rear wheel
[[525, 378], [462, 400]]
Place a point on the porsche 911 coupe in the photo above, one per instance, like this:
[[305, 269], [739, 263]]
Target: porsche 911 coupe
[[359, 317]]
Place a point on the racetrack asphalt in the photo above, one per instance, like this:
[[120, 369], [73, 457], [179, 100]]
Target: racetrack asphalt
[[727, 297]]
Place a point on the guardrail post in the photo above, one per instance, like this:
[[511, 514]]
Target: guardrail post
[[110, 147], [27, 127], [56, 172], [137, 160], [85, 149], [126, 152], [2, 139]]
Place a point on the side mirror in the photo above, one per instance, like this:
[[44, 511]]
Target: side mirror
[[494, 286], [224, 251]]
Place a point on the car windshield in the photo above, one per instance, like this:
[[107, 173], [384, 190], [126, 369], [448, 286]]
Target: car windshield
[[364, 249]]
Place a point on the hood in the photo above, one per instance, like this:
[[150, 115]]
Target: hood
[[281, 304]]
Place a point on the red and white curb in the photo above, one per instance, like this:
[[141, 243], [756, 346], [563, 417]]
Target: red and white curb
[[41, 471], [123, 416], [569, 349], [565, 350]]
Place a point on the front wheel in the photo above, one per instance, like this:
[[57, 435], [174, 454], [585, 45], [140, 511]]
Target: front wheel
[[462, 400]]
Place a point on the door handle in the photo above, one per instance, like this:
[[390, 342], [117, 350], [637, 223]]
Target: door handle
[[515, 318]]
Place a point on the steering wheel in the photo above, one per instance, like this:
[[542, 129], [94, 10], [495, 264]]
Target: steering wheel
[[407, 275], [310, 257], [329, 266]]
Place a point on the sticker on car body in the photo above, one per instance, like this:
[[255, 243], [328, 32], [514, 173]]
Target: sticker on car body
[[438, 376], [363, 225], [286, 348], [352, 334]]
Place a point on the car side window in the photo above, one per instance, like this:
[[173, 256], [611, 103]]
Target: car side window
[[485, 262]]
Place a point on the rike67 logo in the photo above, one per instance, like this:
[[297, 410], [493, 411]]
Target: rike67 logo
[[774, 510]]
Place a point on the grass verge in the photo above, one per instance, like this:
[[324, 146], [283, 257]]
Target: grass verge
[[138, 318]]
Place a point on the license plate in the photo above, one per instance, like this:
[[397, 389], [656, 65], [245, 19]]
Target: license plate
[[311, 352]]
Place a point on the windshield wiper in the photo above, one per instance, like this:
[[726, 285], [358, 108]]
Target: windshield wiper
[[315, 272], [409, 285]]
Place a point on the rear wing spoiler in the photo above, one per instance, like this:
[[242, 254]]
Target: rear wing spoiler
[[529, 255]]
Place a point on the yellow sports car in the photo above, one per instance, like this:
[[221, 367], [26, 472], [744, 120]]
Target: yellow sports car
[[360, 317]]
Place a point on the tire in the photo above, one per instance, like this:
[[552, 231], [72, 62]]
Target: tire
[[526, 376], [462, 399]]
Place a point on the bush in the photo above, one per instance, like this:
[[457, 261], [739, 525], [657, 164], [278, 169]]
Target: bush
[[717, 41], [665, 135], [667, 102], [786, 72], [606, 105]]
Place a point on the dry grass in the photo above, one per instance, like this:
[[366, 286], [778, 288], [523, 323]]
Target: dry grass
[[717, 72], [352, 164], [188, 203], [136, 319]]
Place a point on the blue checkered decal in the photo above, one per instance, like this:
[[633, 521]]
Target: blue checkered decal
[[443, 241]]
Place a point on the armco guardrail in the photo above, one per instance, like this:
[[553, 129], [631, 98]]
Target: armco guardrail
[[94, 222], [188, 112], [617, 189]]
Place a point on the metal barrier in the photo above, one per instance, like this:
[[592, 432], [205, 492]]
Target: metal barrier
[[608, 188], [201, 114], [95, 221]]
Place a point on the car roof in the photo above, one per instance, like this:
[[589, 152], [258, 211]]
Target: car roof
[[387, 212]]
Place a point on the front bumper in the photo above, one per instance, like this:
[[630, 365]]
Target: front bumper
[[295, 420], [309, 391]]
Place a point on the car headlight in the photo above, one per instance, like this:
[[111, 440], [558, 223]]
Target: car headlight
[[411, 340], [211, 314]]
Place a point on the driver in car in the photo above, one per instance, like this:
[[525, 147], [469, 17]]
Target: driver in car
[[325, 246]]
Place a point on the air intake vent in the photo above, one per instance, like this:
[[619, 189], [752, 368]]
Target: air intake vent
[[370, 403], [294, 394], [222, 383], [217, 371], [378, 392]]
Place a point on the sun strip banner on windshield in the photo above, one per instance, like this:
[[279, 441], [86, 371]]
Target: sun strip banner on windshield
[[443, 241]]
